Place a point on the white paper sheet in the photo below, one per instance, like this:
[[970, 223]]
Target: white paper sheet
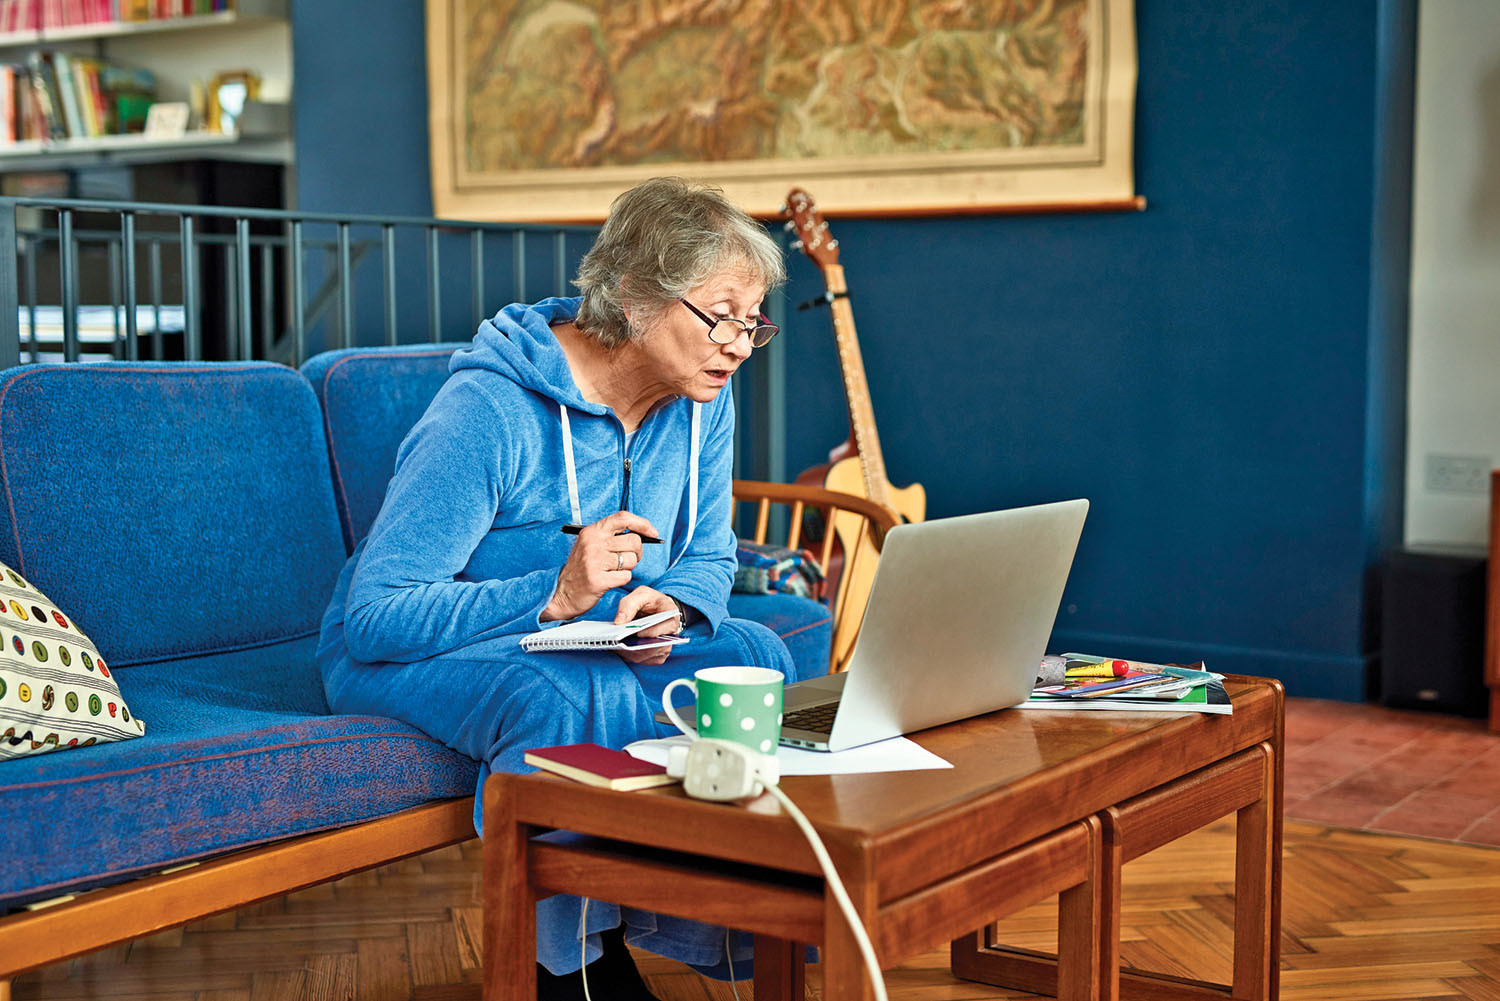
[[897, 754]]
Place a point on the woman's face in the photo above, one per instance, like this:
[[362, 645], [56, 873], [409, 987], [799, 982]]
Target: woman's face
[[684, 358]]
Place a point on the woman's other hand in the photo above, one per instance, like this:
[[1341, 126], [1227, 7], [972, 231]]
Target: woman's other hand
[[648, 601], [604, 556]]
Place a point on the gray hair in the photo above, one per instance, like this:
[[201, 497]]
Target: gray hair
[[663, 238]]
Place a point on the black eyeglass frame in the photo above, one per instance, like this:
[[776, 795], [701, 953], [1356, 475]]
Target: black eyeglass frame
[[758, 336]]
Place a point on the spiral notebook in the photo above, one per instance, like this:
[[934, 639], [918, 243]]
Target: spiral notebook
[[585, 635]]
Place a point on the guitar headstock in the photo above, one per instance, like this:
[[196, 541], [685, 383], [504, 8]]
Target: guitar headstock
[[813, 238]]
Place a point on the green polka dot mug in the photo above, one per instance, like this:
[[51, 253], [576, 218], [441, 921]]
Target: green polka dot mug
[[742, 704]]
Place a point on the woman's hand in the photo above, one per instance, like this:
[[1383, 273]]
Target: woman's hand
[[648, 601], [602, 558]]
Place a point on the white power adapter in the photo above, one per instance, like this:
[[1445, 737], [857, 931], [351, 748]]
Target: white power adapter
[[721, 770]]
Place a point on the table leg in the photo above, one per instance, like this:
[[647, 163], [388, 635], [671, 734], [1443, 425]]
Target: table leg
[[844, 975], [1256, 885], [1111, 883], [509, 899], [1086, 965], [1248, 784], [779, 969]]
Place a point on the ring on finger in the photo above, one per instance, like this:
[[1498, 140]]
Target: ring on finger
[[619, 561]]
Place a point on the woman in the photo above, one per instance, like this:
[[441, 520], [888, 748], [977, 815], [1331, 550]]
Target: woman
[[570, 433]]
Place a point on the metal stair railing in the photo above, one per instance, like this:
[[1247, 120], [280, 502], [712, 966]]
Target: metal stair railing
[[212, 287]]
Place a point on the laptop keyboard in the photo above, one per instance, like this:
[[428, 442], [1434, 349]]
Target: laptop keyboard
[[818, 719]]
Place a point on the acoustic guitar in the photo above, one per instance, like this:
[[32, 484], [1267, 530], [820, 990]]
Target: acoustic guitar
[[857, 465]]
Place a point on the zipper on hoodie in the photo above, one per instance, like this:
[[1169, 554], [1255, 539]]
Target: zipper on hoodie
[[625, 494]]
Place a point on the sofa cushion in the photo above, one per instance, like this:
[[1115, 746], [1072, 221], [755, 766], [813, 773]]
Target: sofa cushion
[[371, 398], [237, 755], [175, 509], [56, 692]]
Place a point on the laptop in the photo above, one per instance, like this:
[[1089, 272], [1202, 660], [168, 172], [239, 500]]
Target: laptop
[[957, 621]]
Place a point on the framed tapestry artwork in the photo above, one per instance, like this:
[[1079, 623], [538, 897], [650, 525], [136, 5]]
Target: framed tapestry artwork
[[545, 110]]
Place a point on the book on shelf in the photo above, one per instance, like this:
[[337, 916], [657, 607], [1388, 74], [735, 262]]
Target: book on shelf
[[592, 635], [9, 108], [48, 100], [598, 766], [70, 102], [44, 15], [41, 15], [127, 96], [157, 10], [20, 15], [59, 95]]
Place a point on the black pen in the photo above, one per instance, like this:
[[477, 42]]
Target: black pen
[[575, 529]]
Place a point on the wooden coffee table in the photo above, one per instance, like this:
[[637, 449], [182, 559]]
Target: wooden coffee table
[[1038, 802]]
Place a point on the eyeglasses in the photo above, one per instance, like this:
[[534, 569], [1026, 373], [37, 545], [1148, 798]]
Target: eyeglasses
[[728, 330]]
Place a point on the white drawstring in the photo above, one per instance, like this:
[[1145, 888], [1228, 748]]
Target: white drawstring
[[693, 449], [692, 483], [567, 435]]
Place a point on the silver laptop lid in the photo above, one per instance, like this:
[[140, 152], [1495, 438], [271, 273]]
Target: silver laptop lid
[[957, 619]]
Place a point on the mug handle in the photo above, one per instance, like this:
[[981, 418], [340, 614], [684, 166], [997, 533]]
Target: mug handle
[[667, 707]]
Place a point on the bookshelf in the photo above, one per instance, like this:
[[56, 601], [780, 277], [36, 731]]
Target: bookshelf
[[179, 51]]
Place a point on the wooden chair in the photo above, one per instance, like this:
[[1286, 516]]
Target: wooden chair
[[860, 521]]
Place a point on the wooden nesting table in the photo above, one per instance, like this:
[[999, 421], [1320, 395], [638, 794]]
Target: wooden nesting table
[[1037, 803]]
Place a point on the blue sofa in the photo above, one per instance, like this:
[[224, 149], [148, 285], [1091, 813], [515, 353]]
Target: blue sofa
[[192, 518]]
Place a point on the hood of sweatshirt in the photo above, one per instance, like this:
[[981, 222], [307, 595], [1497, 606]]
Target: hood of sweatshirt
[[517, 342]]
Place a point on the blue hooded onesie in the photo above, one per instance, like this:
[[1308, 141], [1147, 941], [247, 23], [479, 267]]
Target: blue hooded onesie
[[426, 618]]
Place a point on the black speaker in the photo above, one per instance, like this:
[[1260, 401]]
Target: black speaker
[[1432, 630]]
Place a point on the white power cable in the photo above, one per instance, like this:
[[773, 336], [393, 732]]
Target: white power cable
[[729, 958], [583, 949]]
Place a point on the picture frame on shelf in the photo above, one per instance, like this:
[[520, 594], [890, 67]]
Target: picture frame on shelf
[[167, 120], [227, 94]]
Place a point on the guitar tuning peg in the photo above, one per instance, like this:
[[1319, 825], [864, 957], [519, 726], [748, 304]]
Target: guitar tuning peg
[[790, 226], [796, 245], [782, 210], [833, 244]]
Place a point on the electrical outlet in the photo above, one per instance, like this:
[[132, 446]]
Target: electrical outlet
[[1457, 474]]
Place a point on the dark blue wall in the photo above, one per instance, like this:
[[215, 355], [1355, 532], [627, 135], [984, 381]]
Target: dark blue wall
[[359, 69], [1216, 374]]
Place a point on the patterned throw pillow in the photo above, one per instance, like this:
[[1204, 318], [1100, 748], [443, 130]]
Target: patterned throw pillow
[[56, 691], [768, 569]]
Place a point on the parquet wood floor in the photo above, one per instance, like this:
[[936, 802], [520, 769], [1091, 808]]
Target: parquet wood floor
[[1367, 917]]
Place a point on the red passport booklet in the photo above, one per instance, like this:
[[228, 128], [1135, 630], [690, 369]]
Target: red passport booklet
[[598, 766]]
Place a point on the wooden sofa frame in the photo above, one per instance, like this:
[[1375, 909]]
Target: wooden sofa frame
[[74, 925]]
